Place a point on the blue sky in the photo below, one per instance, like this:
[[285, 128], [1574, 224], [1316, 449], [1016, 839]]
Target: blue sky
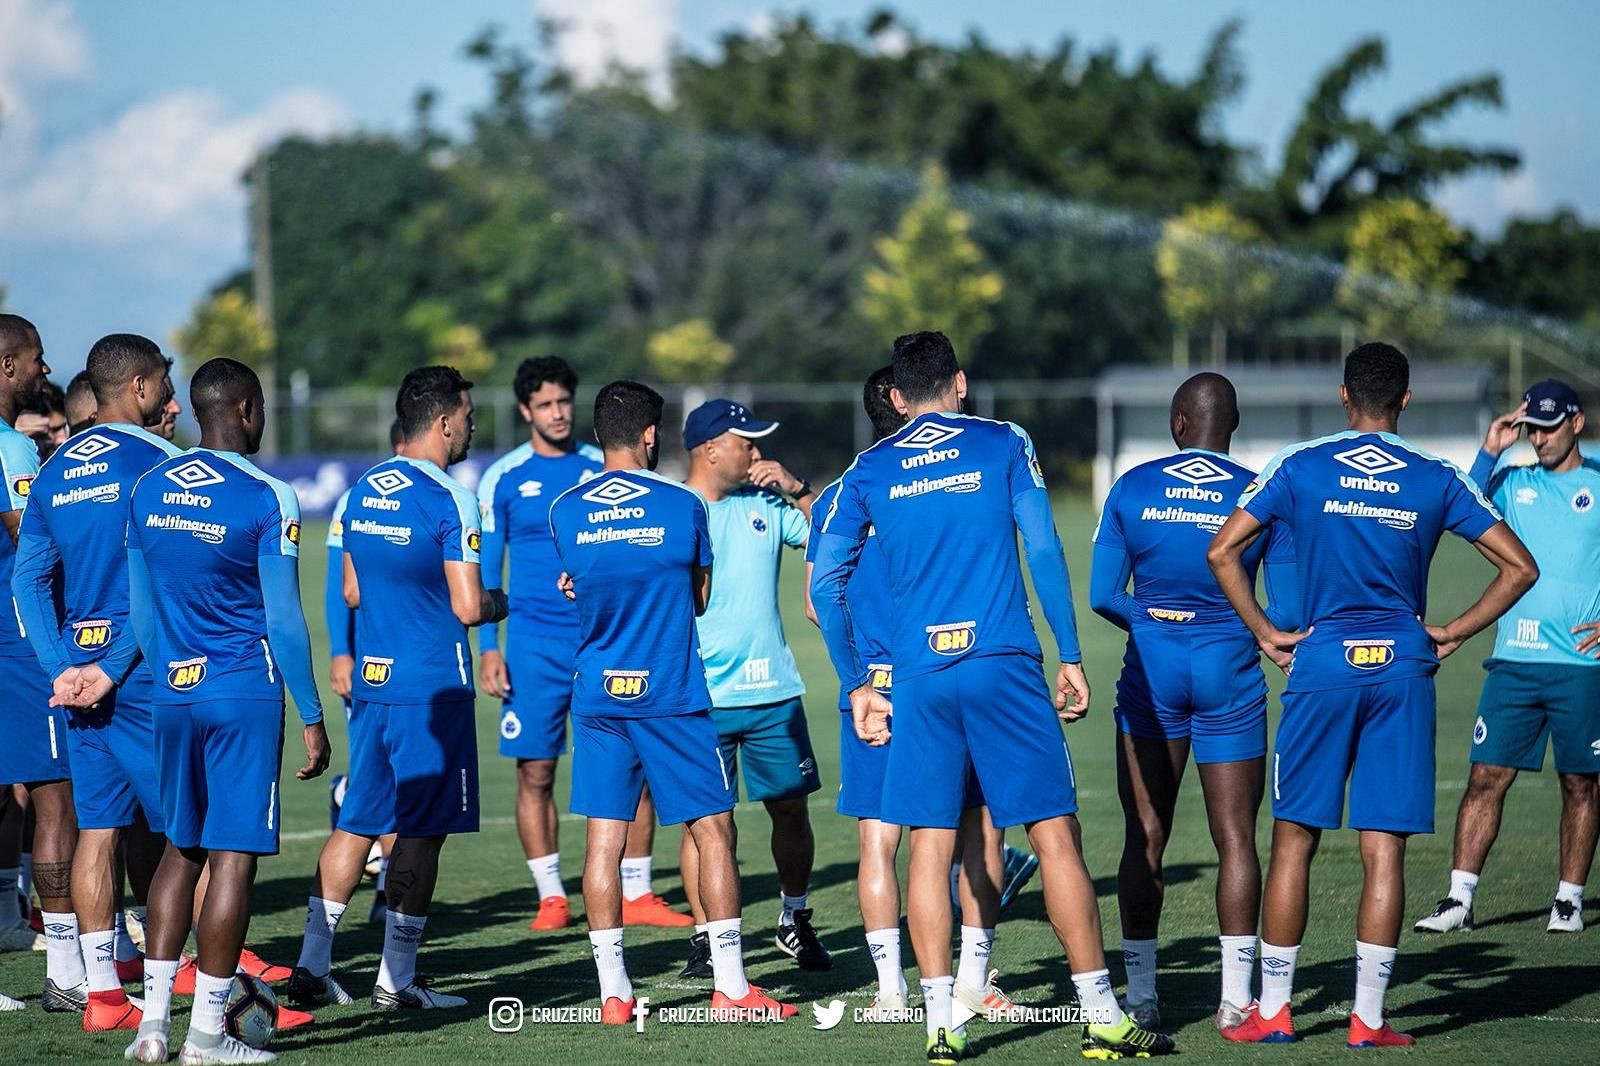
[[126, 125]]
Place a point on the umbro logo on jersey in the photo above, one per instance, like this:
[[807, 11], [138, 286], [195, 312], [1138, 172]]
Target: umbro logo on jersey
[[928, 435], [1197, 470], [529, 489], [1370, 459], [89, 448], [615, 491], [193, 474], [388, 482]]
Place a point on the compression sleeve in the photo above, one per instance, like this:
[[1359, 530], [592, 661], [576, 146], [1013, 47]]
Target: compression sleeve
[[836, 559], [1483, 469], [491, 557], [1108, 585], [33, 589], [1048, 565], [341, 619], [1283, 594], [286, 632], [141, 604]]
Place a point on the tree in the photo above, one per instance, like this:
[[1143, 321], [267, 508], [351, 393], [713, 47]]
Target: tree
[[225, 324], [1211, 274], [1405, 258], [931, 274], [1549, 266], [689, 351], [449, 341]]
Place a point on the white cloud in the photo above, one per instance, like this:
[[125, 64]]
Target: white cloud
[[40, 42], [1485, 203], [637, 34]]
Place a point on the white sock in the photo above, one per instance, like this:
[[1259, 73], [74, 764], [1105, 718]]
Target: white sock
[[1139, 960], [976, 946], [316, 947], [884, 947], [607, 947], [546, 871], [63, 954], [1238, 964], [10, 911], [126, 950], [636, 877], [790, 905], [402, 935], [727, 958], [1373, 965], [938, 1009], [1463, 885], [699, 927], [159, 974], [1277, 977], [210, 996], [99, 951], [1096, 998], [1570, 892]]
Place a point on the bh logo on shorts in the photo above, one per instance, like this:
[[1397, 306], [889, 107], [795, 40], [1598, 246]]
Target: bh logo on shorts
[[1480, 730], [376, 672], [95, 633], [627, 685], [185, 675], [510, 725], [1369, 654], [954, 638]]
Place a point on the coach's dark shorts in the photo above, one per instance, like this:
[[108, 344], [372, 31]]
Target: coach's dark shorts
[[1523, 703]]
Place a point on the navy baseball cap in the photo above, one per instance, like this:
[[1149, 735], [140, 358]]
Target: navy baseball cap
[[1548, 403], [715, 417]]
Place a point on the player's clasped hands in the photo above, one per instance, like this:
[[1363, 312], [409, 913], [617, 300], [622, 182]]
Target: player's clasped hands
[[1072, 692], [871, 710], [81, 688], [564, 583]]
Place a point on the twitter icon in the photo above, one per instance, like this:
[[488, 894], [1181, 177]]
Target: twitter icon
[[829, 1016]]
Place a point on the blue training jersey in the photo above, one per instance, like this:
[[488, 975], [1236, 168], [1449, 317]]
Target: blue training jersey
[[80, 506], [866, 597], [946, 496], [1163, 514], [203, 520], [19, 464], [631, 540], [405, 519], [1556, 517], [1366, 511], [514, 499]]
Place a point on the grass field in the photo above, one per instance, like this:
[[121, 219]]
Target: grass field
[[1505, 991]]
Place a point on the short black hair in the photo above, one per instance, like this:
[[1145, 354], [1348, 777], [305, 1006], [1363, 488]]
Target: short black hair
[[425, 394], [397, 435], [531, 373], [880, 409], [15, 332], [49, 400], [220, 384], [623, 410], [80, 386], [1376, 377], [117, 359], [924, 365]]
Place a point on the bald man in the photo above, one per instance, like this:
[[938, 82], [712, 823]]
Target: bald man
[[1191, 681]]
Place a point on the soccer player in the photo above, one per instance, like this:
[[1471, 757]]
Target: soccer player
[[1366, 510], [1191, 679], [411, 574], [73, 551], [755, 508], [214, 599], [45, 419], [945, 498], [80, 403], [35, 752], [1544, 677], [636, 549], [533, 676]]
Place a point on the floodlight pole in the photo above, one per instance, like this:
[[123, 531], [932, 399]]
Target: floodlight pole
[[261, 268]]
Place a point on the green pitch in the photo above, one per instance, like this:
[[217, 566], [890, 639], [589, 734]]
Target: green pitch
[[1505, 991]]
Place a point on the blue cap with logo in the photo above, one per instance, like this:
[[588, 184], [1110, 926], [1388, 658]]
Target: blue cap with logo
[[715, 417], [1548, 403]]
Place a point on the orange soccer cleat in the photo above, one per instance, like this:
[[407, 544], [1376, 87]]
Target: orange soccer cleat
[[616, 1011], [1363, 1035], [256, 966], [110, 1010], [757, 1002], [651, 909], [554, 913], [183, 984], [289, 1018], [131, 971], [1278, 1029]]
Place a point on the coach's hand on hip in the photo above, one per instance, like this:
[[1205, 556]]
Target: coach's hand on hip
[[870, 710], [1072, 692], [317, 751]]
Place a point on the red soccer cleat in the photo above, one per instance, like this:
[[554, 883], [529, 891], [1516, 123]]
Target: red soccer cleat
[[1279, 1029], [1363, 1035], [651, 909], [616, 1011], [110, 1010], [183, 984], [289, 1018], [756, 1002], [554, 913], [256, 966], [131, 971]]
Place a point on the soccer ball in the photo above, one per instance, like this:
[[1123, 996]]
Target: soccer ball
[[251, 1013]]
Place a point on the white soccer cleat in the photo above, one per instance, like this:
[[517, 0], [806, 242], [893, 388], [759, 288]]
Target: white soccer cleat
[[17, 937], [147, 1047], [973, 1003], [1146, 1013], [225, 1052], [418, 995], [135, 928], [9, 1004], [887, 1007], [1565, 917], [1449, 914], [1229, 1015]]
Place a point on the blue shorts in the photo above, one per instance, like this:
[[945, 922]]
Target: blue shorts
[[861, 770], [1523, 703], [991, 714], [533, 718], [219, 763], [1378, 738], [35, 747], [413, 769], [677, 755], [1198, 681], [114, 764], [776, 745]]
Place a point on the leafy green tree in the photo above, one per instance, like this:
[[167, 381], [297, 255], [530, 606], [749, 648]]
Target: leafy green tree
[[1212, 274], [1550, 266], [225, 324], [689, 351], [1405, 258]]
